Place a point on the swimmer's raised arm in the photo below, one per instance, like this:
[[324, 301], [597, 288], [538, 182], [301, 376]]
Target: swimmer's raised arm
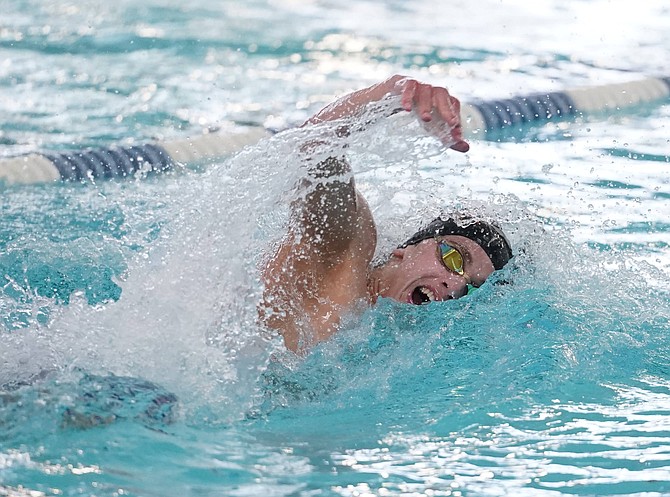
[[321, 270], [332, 212], [429, 102]]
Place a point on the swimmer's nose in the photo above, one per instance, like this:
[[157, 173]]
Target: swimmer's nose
[[456, 285]]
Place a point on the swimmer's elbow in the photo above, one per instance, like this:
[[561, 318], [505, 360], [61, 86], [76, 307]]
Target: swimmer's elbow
[[327, 212], [331, 219]]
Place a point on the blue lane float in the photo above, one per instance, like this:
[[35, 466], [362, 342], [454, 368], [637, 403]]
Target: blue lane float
[[481, 120], [119, 162], [519, 111], [115, 162], [488, 119]]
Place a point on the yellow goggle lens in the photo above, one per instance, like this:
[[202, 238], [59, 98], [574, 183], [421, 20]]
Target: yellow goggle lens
[[451, 258]]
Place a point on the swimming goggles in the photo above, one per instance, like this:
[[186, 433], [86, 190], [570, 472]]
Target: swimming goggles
[[453, 261], [451, 258]]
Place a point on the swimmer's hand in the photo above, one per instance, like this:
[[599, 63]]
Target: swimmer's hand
[[435, 107], [440, 112]]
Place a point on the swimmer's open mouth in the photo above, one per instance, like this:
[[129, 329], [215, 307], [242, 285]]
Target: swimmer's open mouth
[[422, 295]]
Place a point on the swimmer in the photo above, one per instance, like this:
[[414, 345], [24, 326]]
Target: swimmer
[[323, 269]]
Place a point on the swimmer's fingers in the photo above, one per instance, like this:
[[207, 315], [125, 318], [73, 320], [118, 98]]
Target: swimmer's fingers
[[416, 96], [430, 102], [407, 88], [423, 100], [461, 145], [449, 109]]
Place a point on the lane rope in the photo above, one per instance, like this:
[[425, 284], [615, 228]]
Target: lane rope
[[481, 120]]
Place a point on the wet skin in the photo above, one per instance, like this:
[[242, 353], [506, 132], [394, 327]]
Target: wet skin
[[417, 275], [321, 272]]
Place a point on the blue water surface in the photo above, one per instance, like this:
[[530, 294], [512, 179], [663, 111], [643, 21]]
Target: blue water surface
[[131, 362]]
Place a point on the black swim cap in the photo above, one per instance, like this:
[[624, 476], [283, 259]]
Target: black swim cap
[[488, 236]]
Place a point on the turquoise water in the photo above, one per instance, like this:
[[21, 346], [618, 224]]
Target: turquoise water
[[130, 359]]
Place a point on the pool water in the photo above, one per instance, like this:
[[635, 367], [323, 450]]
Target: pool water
[[131, 361]]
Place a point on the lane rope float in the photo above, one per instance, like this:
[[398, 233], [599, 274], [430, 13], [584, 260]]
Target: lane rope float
[[485, 119], [481, 120], [126, 161]]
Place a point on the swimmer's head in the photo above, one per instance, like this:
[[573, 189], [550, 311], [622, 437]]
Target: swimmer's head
[[487, 235], [443, 261]]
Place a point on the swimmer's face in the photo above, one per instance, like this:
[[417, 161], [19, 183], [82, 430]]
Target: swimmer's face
[[417, 274]]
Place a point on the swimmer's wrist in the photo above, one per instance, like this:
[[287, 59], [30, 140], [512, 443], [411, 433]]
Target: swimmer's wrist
[[354, 103]]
